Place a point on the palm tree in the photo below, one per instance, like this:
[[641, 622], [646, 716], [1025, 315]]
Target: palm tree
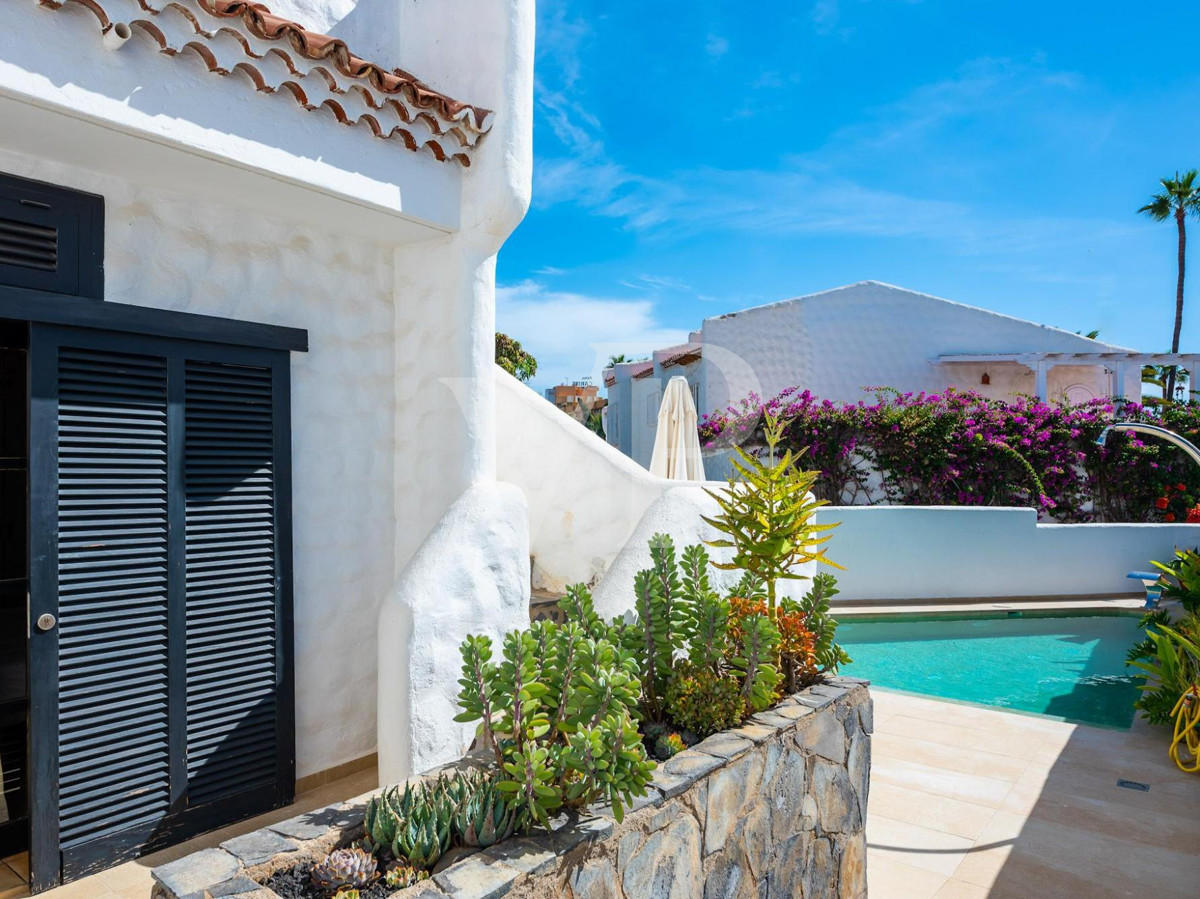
[[613, 360], [1179, 198]]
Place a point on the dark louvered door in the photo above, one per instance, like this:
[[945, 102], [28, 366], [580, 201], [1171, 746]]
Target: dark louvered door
[[161, 703], [229, 473]]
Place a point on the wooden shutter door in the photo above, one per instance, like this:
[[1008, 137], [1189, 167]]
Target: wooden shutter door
[[162, 695]]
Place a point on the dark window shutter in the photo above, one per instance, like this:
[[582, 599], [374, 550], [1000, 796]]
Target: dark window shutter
[[51, 238], [112, 592], [232, 680]]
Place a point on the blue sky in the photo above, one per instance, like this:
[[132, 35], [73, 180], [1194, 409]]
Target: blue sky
[[694, 158]]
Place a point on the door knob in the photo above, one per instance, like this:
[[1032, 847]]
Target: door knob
[[46, 622]]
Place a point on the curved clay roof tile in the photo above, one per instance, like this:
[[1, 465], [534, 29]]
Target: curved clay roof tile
[[312, 45]]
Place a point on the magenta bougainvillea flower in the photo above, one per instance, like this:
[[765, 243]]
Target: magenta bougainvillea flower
[[960, 448]]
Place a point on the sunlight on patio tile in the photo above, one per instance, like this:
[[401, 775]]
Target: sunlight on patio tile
[[952, 816], [890, 879], [939, 755], [911, 844]]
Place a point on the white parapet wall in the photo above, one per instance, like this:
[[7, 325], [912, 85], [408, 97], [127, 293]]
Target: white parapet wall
[[585, 497], [943, 552]]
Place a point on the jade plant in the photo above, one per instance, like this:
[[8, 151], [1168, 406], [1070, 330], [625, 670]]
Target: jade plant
[[697, 670], [556, 710], [814, 606]]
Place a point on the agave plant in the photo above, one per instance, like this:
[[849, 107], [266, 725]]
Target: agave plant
[[483, 816], [351, 867]]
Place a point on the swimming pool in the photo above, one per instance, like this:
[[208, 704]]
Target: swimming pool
[[1070, 667]]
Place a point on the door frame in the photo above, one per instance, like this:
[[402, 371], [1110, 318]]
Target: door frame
[[139, 329]]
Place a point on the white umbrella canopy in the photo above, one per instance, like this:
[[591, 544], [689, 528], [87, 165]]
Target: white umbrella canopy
[[677, 442]]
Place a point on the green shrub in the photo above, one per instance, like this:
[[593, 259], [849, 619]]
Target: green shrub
[[704, 701], [1171, 670]]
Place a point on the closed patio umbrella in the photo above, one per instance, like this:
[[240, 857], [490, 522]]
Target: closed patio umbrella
[[677, 442]]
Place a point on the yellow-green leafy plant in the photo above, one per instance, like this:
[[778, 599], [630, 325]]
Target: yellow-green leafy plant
[[557, 712], [1171, 670], [768, 516]]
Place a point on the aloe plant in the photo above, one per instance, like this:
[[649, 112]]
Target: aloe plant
[[483, 816]]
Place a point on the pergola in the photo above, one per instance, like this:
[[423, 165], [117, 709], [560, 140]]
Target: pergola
[[1125, 366]]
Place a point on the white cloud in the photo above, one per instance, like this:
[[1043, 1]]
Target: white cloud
[[825, 16], [716, 46], [572, 334]]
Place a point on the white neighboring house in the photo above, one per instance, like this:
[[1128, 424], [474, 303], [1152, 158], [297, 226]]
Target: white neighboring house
[[838, 342], [248, 266]]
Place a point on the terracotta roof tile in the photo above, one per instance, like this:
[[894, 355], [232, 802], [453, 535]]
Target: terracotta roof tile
[[319, 72]]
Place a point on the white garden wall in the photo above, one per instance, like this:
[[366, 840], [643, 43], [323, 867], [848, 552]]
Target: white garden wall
[[941, 552], [585, 497]]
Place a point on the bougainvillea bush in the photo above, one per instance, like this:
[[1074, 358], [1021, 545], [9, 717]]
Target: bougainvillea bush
[[960, 448]]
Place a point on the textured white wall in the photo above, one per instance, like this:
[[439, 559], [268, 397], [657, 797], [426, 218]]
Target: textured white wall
[[172, 253], [869, 334], [585, 497], [938, 552], [470, 575]]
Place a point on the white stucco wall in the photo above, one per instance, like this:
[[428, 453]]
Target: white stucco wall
[[585, 497], [224, 201], [869, 334], [939, 552]]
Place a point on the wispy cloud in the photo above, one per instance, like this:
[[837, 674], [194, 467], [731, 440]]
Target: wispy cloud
[[716, 46], [810, 194], [825, 15], [573, 334]]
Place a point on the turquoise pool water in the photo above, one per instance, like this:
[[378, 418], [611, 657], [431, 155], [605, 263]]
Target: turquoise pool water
[[1068, 667]]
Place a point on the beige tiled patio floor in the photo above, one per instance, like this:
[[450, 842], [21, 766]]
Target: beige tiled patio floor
[[132, 879], [969, 802]]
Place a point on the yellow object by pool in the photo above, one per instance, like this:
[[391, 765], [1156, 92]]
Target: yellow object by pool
[[1187, 731]]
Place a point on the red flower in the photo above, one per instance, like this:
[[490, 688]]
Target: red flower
[[1170, 516], [1193, 516], [1181, 487], [1160, 503]]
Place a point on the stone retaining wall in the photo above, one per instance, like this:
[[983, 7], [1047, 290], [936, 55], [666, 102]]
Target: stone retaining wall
[[775, 809]]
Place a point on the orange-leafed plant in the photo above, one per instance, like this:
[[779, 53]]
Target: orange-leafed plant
[[797, 644]]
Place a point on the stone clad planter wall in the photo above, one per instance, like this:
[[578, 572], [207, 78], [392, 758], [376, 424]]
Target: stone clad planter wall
[[775, 808]]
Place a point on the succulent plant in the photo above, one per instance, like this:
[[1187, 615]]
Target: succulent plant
[[351, 867], [422, 836], [383, 817], [483, 816], [403, 875], [347, 893], [667, 746]]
